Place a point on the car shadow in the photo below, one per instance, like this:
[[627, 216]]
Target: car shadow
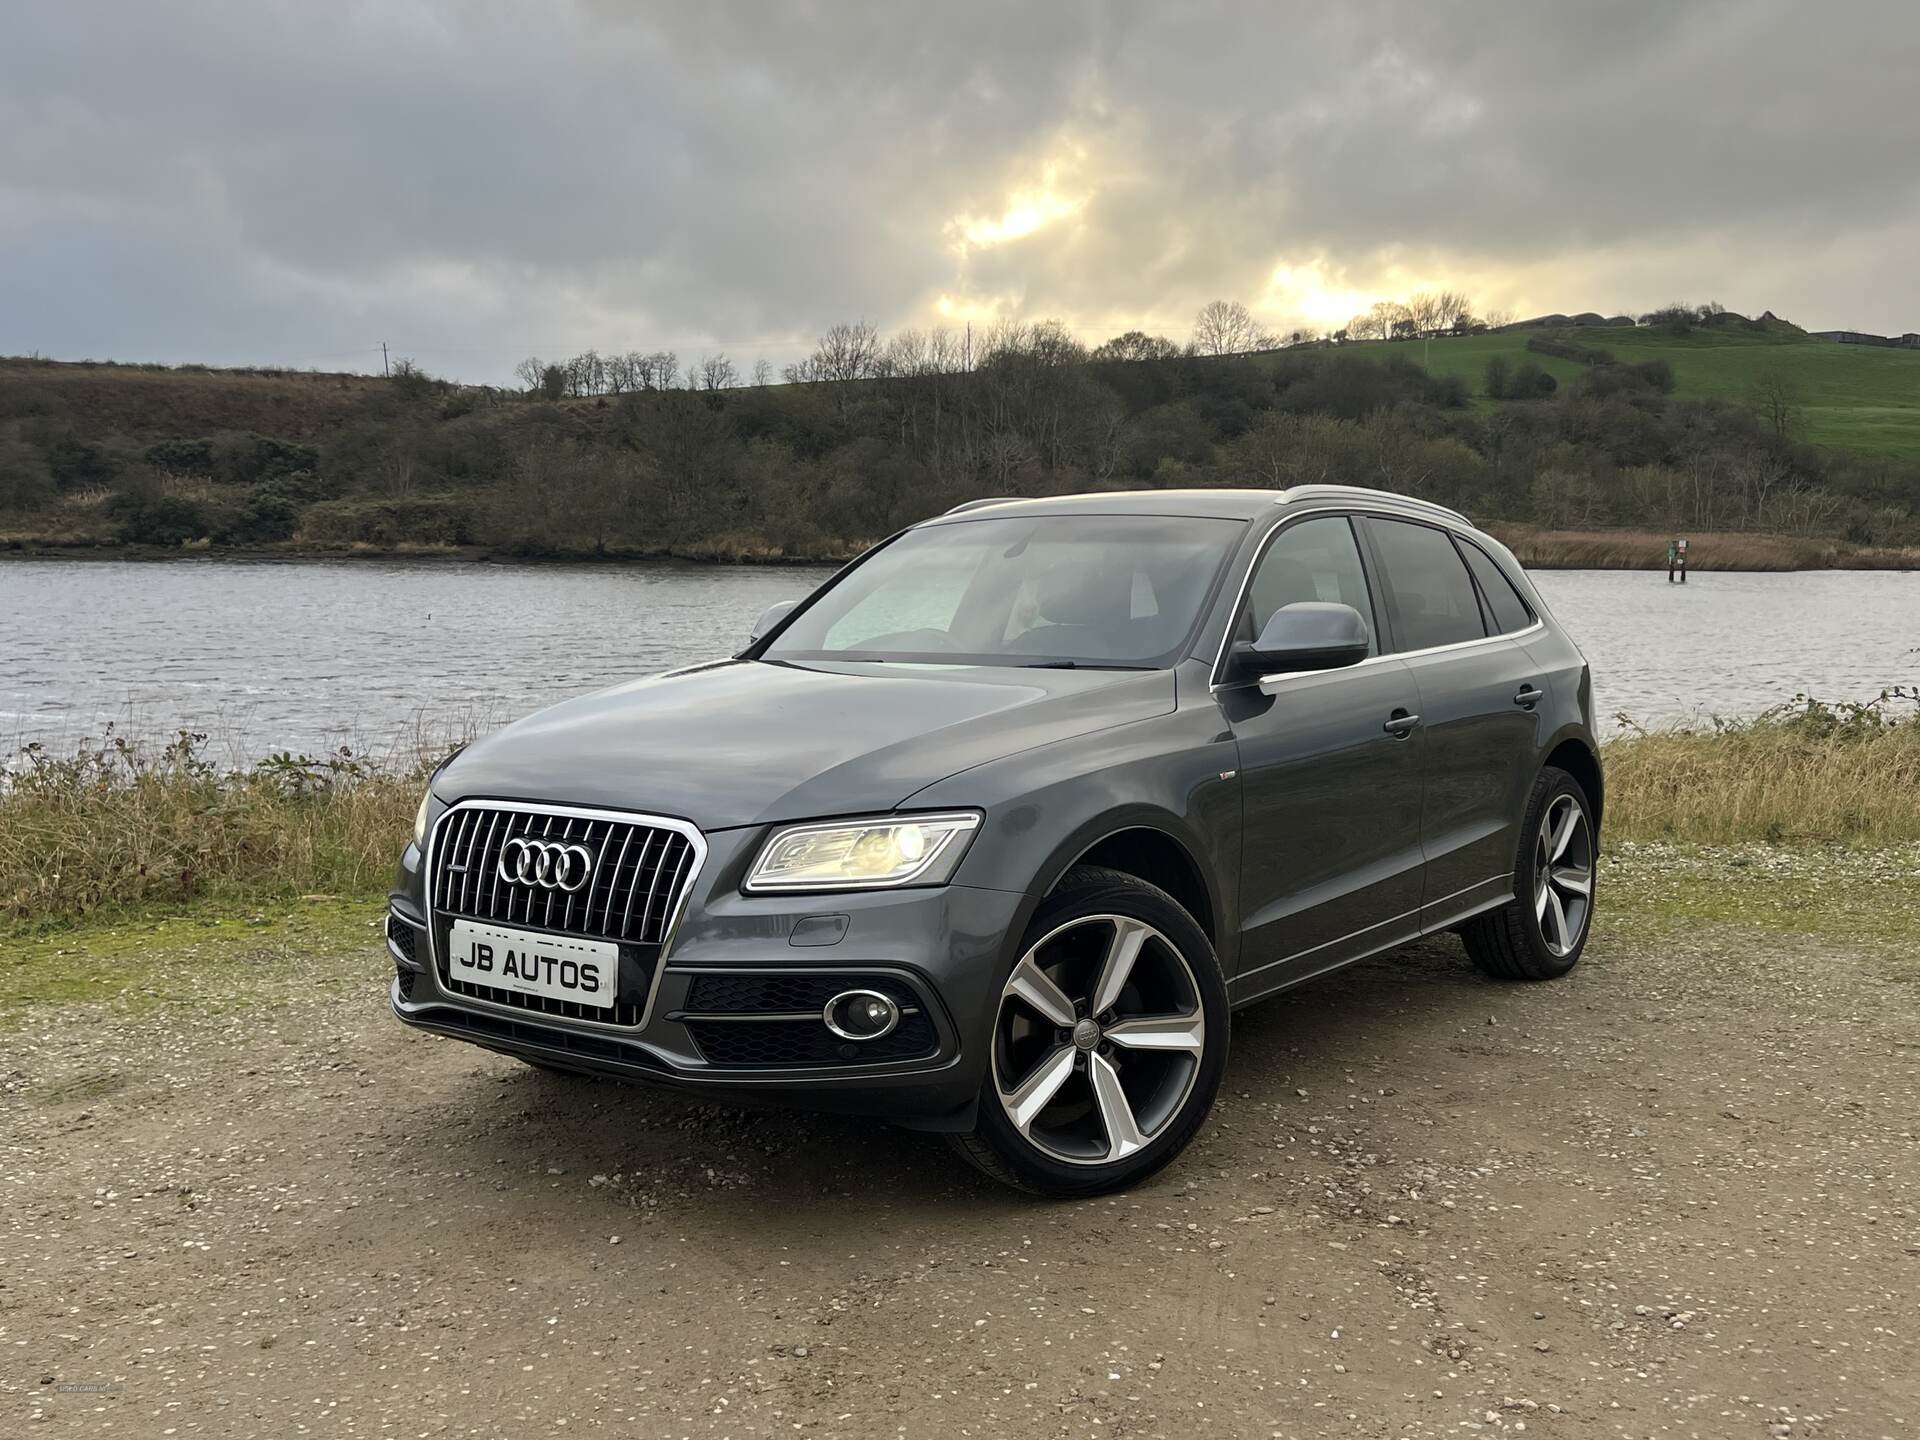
[[662, 1152]]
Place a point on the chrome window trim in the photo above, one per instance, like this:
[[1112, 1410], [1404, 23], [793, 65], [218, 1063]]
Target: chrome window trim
[[1358, 507], [1265, 680], [676, 909]]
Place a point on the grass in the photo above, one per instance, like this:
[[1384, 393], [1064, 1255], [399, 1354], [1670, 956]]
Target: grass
[[155, 401], [120, 829], [222, 956], [1866, 900], [1858, 397], [1805, 771], [119, 832]]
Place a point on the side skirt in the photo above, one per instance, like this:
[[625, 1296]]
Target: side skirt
[[1432, 927]]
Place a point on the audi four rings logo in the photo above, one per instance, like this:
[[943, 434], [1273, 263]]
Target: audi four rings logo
[[550, 864]]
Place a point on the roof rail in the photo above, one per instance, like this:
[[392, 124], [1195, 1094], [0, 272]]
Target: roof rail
[[1360, 492], [985, 500]]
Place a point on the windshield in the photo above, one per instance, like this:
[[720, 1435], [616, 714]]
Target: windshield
[[1121, 591]]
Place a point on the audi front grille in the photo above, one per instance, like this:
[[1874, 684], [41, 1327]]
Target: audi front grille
[[641, 871]]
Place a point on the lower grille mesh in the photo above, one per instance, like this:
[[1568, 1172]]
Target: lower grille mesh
[[714, 1001], [783, 994], [796, 1044]]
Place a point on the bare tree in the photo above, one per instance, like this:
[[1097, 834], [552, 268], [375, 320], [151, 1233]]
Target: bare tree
[[846, 352], [1378, 321], [1435, 310], [1226, 327], [762, 373], [1499, 317], [1137, 345], [1776, 396], [717, 373], [531, 372]]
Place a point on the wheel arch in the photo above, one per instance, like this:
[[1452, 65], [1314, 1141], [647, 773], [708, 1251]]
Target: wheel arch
[[1577, 756], [1148, 851]]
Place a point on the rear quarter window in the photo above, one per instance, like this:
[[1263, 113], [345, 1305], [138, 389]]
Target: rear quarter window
[[1510, 611]]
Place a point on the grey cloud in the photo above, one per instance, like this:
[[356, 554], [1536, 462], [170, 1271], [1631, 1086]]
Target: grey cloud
[[253, 182]]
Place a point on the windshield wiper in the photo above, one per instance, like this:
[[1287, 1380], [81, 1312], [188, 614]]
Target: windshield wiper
[[1076, 665]]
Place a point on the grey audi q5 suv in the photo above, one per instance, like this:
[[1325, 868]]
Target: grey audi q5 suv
[[992, 833]]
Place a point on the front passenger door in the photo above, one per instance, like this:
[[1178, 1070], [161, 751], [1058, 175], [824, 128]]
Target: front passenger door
[[1331, 858]]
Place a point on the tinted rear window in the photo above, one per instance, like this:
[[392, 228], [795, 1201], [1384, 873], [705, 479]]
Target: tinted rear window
[[1510, 612], [1433, 598]]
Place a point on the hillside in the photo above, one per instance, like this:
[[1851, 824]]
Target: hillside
[[1857, 397], [1665, 437], [160, 402]]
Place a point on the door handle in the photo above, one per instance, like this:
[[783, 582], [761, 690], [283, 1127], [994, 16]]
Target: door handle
[[1529, 697], [1400, 724]]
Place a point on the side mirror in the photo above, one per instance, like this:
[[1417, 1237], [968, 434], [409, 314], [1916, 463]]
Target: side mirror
[[1308, 635], [770, 617]]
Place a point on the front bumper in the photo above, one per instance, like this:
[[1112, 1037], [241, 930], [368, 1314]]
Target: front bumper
[[940, 951]]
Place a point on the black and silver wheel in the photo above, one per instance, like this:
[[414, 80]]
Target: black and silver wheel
[[1540, 934], [1108, 1041]]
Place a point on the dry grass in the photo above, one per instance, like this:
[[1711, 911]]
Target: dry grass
[[1806, 771], [157, 401], [1732, 550], [119, 829]]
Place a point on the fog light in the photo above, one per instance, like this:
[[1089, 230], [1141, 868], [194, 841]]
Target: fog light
[[860, 1015]]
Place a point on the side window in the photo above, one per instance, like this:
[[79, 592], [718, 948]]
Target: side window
[[1314, 560], [1510, 612], [1433, 597]]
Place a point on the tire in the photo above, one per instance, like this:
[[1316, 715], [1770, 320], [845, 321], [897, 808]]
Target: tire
[[1106, 1097], [1540, 936]]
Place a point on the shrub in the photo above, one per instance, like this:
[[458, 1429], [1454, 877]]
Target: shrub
[[1568, 350], [426, 519], [148, 515], [1530, 382]]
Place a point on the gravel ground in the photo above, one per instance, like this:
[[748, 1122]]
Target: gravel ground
[[1677, 1194]]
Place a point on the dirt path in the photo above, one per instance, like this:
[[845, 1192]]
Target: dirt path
[[1676, 1195]]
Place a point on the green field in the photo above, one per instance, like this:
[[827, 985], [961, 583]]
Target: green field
[[1859, 397]]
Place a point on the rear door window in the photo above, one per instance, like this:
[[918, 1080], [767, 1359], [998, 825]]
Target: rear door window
[[1432, 595], [1510, 612]]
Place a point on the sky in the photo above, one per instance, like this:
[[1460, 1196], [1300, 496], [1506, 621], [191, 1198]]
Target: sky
[[474, 183]]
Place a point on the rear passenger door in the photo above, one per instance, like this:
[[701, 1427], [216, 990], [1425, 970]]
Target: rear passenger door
[[1479, 693]]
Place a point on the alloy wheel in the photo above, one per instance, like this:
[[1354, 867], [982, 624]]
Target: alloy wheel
[[1563, 874], [1098, 1039]]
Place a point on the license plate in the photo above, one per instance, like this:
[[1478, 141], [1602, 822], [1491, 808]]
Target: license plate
[[555, 967]]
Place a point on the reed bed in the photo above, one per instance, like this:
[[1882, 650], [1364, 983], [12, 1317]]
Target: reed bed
[[1730, 550]]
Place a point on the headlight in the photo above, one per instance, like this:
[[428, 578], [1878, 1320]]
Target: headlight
[[420, 819], [864, 854]]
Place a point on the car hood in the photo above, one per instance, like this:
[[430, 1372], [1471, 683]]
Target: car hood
[[747, 742]]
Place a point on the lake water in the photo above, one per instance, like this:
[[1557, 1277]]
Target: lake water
[[306, 655]]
